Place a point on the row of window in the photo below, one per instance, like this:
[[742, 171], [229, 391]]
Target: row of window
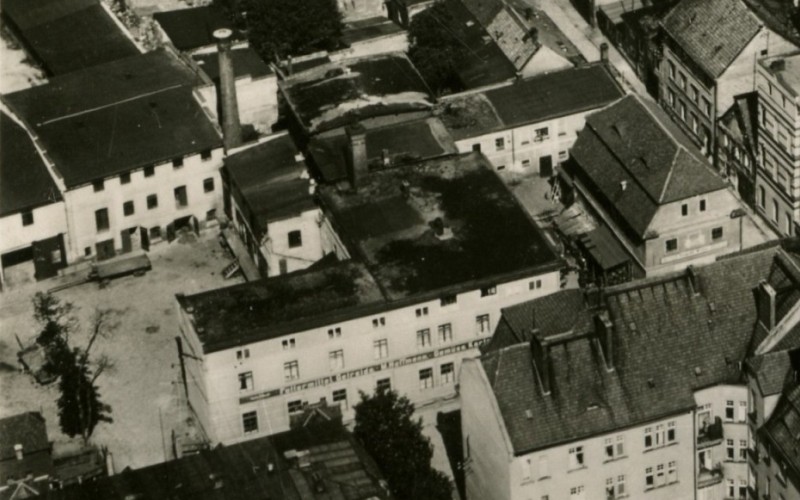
[[128, 208], [672, 244], [701, 206], [539, 135], [738, 493], [659, 476], [786, 102], [689, 88], [730, 450], [782, 135], [149, 171], [775, 215]]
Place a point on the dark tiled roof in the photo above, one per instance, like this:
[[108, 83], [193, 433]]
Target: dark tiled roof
[[505, 28], [492, 236], [251, 470], [770, 371], [246, 62], [779, 16], [194, 27], [25, 182], [270, 179], [368, 29], [67, 35], [27, 429], [137, 112], [782, 430], [671, 335], [633, 141], [405, 141], [342, 92], [712, 32]]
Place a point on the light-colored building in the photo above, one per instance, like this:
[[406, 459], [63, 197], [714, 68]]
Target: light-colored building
[[269, 198], [32, 215], [709, 49], [428, 255], [778, 177], [652, 188], [529, 126], [635, 391], [736, 147], [135, 154]]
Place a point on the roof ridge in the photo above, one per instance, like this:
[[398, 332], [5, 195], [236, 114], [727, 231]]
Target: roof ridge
[[669, 176]]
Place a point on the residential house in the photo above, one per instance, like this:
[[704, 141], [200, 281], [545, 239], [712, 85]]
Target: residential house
[[269, 199], [709, 49], [648, 183], [191, 31], [135, 155], [32, 215], [530, 125], [635, 391], [68, 35], [426, 255], [778, 180], [26, 466], [736, 147], [318, 460]]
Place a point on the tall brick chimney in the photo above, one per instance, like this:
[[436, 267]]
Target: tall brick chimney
[[231, 128]]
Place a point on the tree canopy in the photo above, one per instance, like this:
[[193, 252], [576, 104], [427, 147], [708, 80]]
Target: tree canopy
[[282, 28], [435, 49], [385, 426]]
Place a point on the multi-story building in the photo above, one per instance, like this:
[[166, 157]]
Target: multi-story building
[[778, 172], [652, 188], [530, 125], [133, 151], [269, 198], [428, 254], [736, 146], [633, 392], [709, 48], [32, 216]]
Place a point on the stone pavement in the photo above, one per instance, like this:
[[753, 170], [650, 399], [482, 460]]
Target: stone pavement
[[588, 40]]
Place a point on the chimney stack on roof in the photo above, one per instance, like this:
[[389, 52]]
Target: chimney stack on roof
[[765, 305], [540, 349], [604, 52], [356, 154], [604, 329], [623, 184], [231, 127], [18, 451]]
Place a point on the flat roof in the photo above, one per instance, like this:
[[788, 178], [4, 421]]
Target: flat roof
[[368, 29], [246, 62], [406, 141], [193, 28], [25, 182], [388, 222], [271, 179], [111, 119], [67, 35], [396, 256], [342, 92], [532, 100]]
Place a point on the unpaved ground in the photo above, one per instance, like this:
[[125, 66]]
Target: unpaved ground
[[142, 387], [15, 71]]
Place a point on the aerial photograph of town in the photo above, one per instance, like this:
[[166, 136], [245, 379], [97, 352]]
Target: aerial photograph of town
[[400, 249]]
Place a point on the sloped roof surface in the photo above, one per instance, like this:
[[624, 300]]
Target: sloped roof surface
[[507, 31], [27, 429], [712, 32], [671, 336], [25, 182], [770, 370], [633, 141], [783, 429]]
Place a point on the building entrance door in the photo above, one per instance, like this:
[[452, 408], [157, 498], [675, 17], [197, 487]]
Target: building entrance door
[[546, 166], [105, 249]]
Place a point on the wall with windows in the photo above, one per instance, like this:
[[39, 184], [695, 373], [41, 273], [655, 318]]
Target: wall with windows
[[528, 149], [20, 229], [294, 243], [151, 198], [415, 349], [693, 230]]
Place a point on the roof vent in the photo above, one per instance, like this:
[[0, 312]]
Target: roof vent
[[712, 307], [698, 371], [529, 414], [651, 383], [623, 185], [593, 406], [632, 327], [18, 451]]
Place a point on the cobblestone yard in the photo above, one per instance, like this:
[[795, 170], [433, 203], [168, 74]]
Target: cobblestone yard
[[141, 388]]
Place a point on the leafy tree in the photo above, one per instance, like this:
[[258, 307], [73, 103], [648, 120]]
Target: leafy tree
[[281, 28], [385, 426], [79, 406], [435, 48]]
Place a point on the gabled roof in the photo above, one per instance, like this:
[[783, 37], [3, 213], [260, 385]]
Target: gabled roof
[[67, 35], [29, 430], [633, 140], [506, 29], [671, 335], [136, 112], [193, 28], [25, 182], [712, 32]]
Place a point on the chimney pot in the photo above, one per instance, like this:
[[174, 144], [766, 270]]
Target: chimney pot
[[623, 185], [604, 52], [18, 451], [231, 127]]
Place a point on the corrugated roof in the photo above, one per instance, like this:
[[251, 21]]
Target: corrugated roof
[[712, 32]]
